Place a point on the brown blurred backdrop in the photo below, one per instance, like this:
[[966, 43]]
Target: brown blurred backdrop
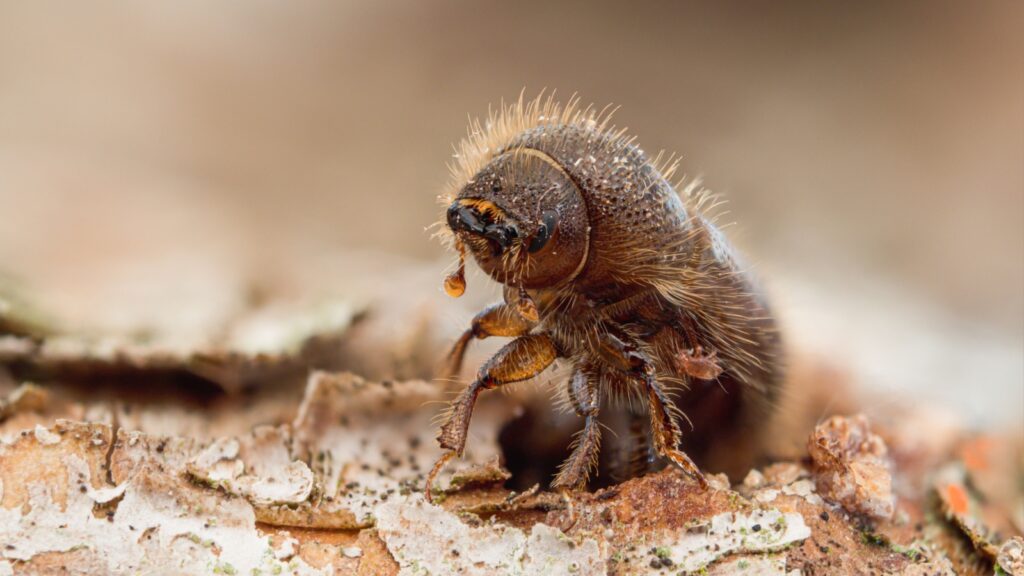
[[872, 152]]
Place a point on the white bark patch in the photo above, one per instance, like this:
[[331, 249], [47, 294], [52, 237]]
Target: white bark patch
[[257, 467], [805, 489], [77, 468], [732, 533], [426, 539], [291, 485], [219, 463], [45, 437], [352, 551], [767, 565], [160, 526]]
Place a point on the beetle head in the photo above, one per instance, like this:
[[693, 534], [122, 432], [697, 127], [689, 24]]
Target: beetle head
[[523, 219]]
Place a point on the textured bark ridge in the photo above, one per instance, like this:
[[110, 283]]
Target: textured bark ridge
[[339, 488]]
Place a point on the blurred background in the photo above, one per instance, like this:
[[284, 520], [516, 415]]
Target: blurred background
[[872, 154]]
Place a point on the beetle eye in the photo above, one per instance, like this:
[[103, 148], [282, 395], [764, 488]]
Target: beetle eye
[[548, 222]]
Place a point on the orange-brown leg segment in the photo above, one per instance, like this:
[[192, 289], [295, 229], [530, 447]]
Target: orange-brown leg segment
[[665, 429], [585, 395], [496, 320], [520, 359]]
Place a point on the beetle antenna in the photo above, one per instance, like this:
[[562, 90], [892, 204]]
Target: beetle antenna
[[455, 283]]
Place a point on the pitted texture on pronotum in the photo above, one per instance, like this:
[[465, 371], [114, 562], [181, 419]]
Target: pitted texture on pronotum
[[606, 266]]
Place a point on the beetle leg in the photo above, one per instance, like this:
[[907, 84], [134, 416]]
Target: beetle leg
[[500, 319], [641, 453], [666, 430], [625, 352], [585, 395], [520, 359]]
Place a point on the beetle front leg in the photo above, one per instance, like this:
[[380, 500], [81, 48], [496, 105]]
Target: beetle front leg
[[520, 359], [500, 319]]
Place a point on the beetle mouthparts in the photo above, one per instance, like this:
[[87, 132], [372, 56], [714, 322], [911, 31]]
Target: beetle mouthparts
[[483, 219]]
